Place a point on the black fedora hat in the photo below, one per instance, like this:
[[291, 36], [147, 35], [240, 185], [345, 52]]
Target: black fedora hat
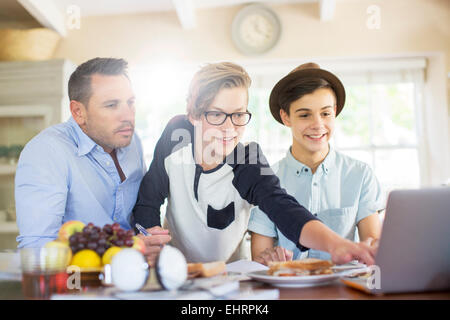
[[304, 71]]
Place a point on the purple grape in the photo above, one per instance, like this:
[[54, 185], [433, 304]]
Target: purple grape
[[100, 250], [72, 239], [94, 236], [115, 226], [92, 245], [82, 240], [107, 228], [76, 235], [120, 233], [87, 231]]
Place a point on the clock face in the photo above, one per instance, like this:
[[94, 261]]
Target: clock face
[[255, 30]]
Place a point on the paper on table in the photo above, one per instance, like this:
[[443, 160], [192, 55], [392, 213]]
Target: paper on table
[[260, 294], [245, 266]]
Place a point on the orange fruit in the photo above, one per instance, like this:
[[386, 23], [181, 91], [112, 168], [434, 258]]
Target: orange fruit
[[87, 258]]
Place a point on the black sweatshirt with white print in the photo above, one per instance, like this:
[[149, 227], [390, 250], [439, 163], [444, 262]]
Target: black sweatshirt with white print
[[208, 211]]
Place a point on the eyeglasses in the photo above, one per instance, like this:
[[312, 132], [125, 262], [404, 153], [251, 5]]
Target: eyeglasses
[[216, 118]]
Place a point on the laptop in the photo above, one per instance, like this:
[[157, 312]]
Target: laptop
[[414, 249]]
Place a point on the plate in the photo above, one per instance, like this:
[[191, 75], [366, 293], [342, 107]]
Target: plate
[[294, 281]]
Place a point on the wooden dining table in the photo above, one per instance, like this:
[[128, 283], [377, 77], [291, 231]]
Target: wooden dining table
[[339, 291], [334, 291]]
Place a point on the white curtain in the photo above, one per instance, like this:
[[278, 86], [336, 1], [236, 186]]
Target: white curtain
[[434, 124], [431, 110]]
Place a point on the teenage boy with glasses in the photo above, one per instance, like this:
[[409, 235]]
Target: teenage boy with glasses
[[212, 181]]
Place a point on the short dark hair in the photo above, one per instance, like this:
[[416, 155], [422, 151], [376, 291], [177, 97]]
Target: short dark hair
[[300, 88], [80, 80]]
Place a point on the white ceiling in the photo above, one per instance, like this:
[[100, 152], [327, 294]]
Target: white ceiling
[[13, 9], [110, 7], [53, 13]]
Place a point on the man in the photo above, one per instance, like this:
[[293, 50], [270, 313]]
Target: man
[[88, 168]]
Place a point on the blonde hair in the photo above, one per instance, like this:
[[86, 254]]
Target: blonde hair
[[209, 80]]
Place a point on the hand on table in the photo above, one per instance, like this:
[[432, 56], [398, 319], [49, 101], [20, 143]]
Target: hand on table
[[154, 243], [371, 242], [346, 251], [274, 254]]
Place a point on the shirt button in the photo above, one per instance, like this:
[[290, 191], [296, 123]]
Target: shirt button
[[315, 184], [108, 163]]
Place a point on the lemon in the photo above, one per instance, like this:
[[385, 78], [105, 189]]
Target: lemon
[[109, 254], [87, 259]]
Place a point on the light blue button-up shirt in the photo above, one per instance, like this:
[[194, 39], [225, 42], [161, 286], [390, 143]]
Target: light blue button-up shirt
[[341, 192], [64, 175]]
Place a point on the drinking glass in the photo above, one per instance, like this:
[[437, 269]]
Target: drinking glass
[[43, 271]]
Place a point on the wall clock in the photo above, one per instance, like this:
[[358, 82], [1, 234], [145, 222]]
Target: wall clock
[[255, 29]]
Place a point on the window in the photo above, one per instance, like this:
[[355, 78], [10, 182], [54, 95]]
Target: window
[[377, 126], [161, 91]]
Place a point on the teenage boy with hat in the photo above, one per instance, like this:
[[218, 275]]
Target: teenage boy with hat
[[342, 192]]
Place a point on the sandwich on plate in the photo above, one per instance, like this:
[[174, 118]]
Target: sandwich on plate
[[303, 267], [208, 269]]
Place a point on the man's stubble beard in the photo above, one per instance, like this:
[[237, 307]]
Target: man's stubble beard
[[103, 140]]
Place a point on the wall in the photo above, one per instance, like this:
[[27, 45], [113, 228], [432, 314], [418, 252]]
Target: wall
[[407, 26]]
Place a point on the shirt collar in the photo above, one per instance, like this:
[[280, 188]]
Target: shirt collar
[[299, 167], [85, 143], [295, 164], [328, 163]]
